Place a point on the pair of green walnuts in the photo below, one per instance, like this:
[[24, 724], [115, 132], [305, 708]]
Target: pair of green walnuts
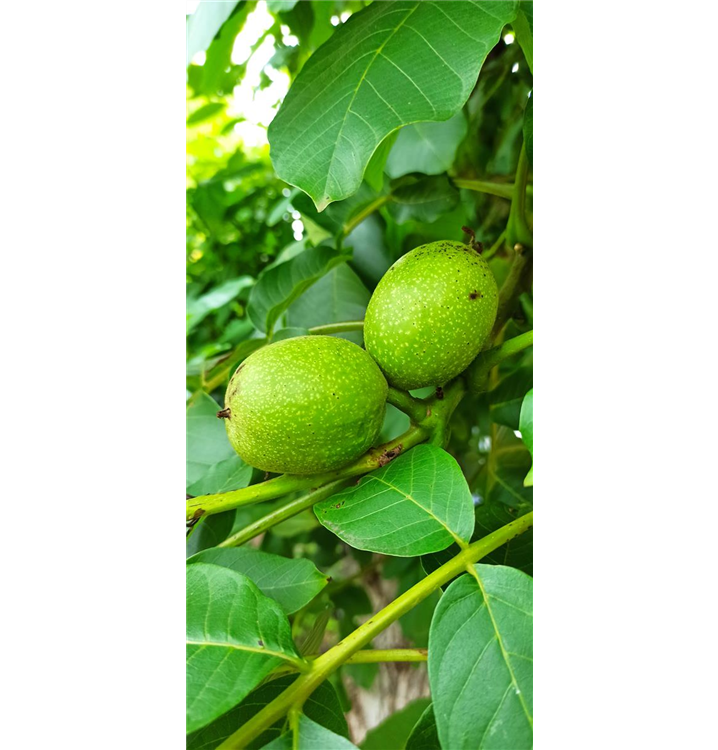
[[315, 403]]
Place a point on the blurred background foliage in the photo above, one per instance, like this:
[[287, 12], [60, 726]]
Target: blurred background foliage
[[243, 222]]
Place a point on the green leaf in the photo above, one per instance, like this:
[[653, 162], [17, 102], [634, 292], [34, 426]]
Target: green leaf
[[292, 583], [371, 257], [390, 65], [204, 23], [424, 735], [374, 173], [217, 297], [425, 199], [290, 332], [310, 736], [481, 661], [322, 706], [505, 400], [235, 637], [394, 731], [531, 424], [278, 287], [416, 504], [210, 531], [517, 552], [428, 147], [335, 298], [524, 29], [212, 464], [205, 112]]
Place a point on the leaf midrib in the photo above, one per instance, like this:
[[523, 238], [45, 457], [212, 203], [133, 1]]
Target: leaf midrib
[[240, 647]]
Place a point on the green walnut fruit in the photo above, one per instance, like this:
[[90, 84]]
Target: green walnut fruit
[[305, 405], [430, 314]]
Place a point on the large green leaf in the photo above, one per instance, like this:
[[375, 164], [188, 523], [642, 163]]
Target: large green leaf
[[310, 736], [337, 297], [212, 463], [416, 504], [394, 731], [424, 735], [390, 65], [425, 199], [531, 424], [278, 287], [204, 23], [322, 706], [481, 661], [199, 307], [524, 28], [235, 637], [292, 583], [428, 147]]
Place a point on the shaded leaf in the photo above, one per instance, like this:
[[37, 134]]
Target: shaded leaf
[[481, 661], [424, 735], [409, 62], [278, 287], [394, 731], [424, 199], [292, 583], [531, 424], [210, 531], [523, 26], [428, 147], [506, 398], [235, 637], [322, 706], [416, 504], [337, 297]]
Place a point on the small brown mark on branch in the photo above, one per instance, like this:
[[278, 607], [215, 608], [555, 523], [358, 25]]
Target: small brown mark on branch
[[389, 455]]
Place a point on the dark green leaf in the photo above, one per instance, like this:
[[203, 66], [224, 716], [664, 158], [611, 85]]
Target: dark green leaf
[[524, 29], [410, 62], [210, 531], [425, 199], [505, 400], [322, 706], [424, 735], [235, 637], [428, 147], [416, 504], [507, 467], [292, 583], [394, 731], [532, 433], [481, 661], [278, 287], [374, 173]]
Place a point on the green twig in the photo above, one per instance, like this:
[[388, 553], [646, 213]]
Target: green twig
[[329, 328], [488, 254], [502, 190], [354, 221], [511, 290], [327, 663], [414, 408], [286, 483], [282, 514], [517, 229]]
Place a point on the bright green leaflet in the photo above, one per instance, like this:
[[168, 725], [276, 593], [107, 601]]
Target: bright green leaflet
[[394, 731], [391, 64], [212, 464], [418, 503], [235, 637], [531, 425], [278, 287], [217, 297], [292, 583], [481, 661], [322, 707], [428, 147], [311, 736], [204, 23]]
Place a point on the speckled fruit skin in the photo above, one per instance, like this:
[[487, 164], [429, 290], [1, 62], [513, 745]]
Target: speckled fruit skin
[[430, 314], [305, 405]]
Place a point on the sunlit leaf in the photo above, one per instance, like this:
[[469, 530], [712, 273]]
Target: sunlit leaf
[[416, 504], [390, 65], [235, 637], [526, 425]]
